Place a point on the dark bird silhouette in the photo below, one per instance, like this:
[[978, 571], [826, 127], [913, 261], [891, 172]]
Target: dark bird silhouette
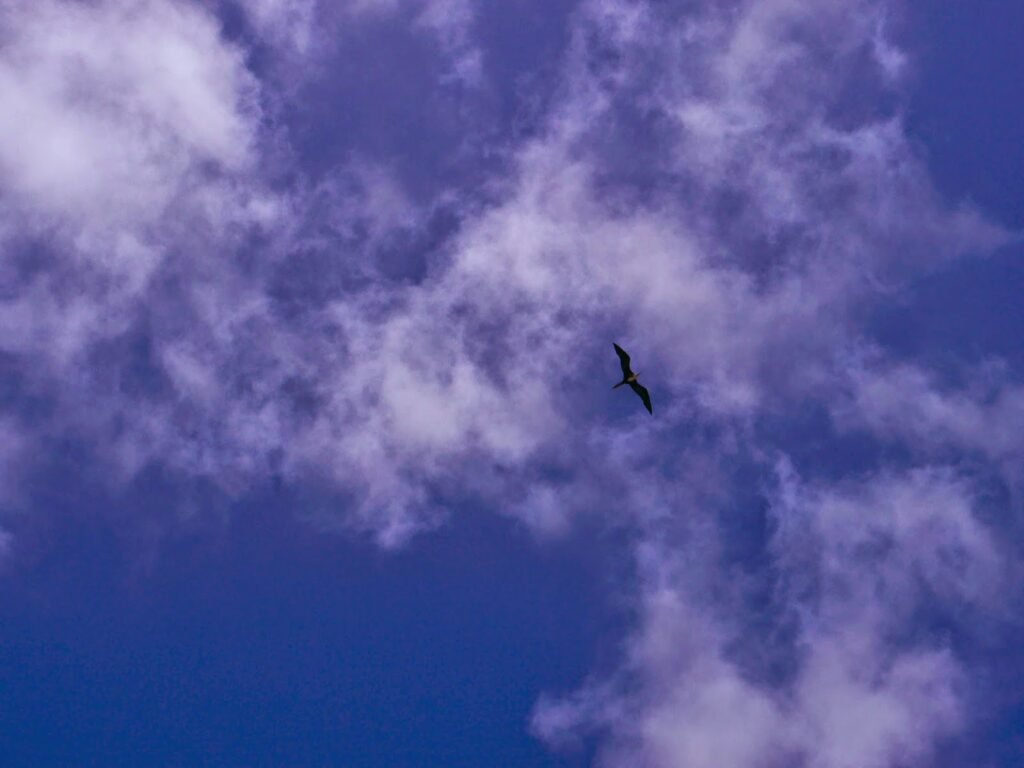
[[628, 377]]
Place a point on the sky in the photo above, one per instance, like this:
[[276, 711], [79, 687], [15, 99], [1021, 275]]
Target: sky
[[309, 453]]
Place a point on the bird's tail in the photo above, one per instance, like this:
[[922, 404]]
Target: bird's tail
[[620, 384]]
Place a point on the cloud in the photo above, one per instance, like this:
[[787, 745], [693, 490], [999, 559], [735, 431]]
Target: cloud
[[112, 107], [807, 213], [310, 29], [907, 403], [387, 390], [290, 24], [864, 686], [126, 132]]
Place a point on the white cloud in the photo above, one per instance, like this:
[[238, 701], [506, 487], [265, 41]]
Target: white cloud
[[477, 364], [868, 688], [311, 29], [834, 212], [290, 23], [129, 130], [907, 403], [890, 538], [112, 107], [451, 21]]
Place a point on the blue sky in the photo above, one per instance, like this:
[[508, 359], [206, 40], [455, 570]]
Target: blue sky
[[308, 448]]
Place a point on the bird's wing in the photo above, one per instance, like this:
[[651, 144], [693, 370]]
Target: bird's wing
[[623, 360], [641, 390]]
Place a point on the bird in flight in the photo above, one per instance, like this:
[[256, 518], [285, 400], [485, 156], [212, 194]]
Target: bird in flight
[[628, 377]]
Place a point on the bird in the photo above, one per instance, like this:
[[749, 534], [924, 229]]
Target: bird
[[628, 377]]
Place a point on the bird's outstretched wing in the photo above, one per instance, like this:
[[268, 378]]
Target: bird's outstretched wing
[[641, 390], [623, 360]]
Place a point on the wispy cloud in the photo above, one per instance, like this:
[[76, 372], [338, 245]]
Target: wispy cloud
[[126, 131], [907, 403], [311, 29], [861, 683]]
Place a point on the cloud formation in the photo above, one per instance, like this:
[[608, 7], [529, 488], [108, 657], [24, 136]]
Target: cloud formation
[[860, 683], [127, 130], [727, 190]]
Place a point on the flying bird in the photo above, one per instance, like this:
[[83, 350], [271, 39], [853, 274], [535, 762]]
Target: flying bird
[[628, 377]]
